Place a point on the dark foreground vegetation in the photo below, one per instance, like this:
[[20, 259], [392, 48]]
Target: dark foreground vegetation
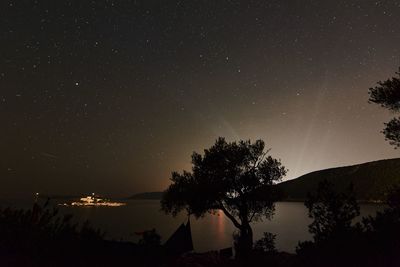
[[338, 242], [42, 237]]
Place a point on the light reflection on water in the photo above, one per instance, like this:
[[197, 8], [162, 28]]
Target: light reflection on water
[[290, 223], [220, 224]]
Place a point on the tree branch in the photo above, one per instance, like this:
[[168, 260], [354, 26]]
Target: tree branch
[[252, 216], [260, 159], [230, 216]]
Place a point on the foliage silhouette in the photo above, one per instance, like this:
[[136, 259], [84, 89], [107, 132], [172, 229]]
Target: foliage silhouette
[[383, 230], [150, 239], [41, 224], [339, 242], [387, 94], [332, 229], [235, 177], [332, 212], [41, 236], [266, 243]]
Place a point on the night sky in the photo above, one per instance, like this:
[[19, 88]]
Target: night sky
[[112, 96]]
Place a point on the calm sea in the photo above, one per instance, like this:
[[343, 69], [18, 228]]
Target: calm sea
[[213, 232]]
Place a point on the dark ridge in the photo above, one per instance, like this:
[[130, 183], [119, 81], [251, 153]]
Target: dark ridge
[[371, 180]]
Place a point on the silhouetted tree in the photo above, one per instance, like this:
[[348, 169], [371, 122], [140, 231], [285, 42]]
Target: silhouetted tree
[[235, 177], [266, 243], [332, 212], [334, 235], [338, 242], [387, 94]]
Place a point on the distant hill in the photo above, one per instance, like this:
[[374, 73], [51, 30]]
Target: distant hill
[[147, 195], [370, 180]]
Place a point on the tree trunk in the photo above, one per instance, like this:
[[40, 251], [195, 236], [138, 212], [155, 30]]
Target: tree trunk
[[244, 242]]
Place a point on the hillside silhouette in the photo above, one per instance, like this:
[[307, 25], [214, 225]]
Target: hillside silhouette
[[371, 180]]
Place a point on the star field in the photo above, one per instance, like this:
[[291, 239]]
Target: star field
[[111, 96]]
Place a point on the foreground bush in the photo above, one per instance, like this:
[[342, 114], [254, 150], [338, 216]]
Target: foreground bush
[[42, 237], [338, 242]]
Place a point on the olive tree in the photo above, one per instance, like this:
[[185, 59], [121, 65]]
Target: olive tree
[[234, 177]]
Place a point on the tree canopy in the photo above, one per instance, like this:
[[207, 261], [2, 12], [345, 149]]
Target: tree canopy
[[387, 94], [235, 177]]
